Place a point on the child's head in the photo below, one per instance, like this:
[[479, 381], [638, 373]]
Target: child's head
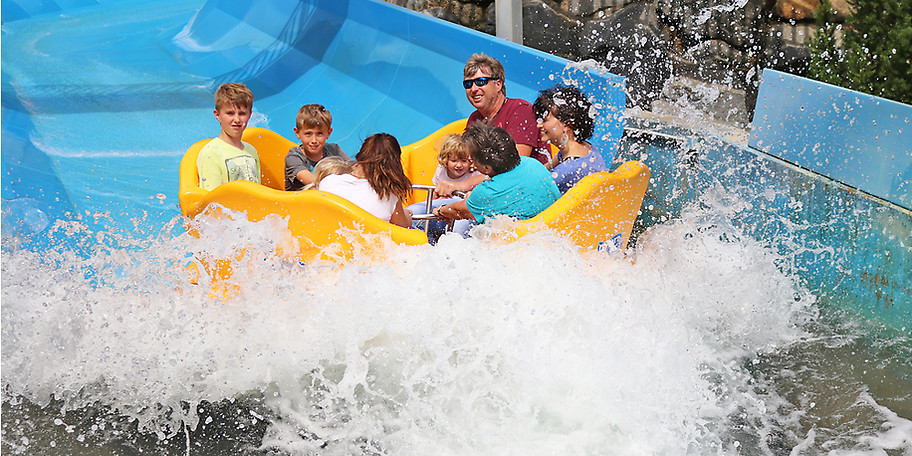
[[233, 95], [314, 116], [454, 155], [330, 165], [313, 127], [233, 105]]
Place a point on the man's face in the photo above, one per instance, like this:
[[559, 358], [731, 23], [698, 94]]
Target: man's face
[[484, 98]]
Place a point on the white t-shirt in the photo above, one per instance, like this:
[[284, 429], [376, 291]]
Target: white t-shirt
[[359, 192]]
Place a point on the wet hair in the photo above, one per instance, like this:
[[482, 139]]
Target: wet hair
[[452, 148], [482, 61], [330, 165], [314, 116], [491, 146], [568, 105], [233, 94], [380, 160]]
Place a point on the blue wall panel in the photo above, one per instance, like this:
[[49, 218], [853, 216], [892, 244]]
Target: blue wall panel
[[860, 140]]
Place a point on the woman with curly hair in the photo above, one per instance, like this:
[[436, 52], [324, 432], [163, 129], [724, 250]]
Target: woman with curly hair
[[565, 118]]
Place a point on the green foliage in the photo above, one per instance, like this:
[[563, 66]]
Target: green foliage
[[871, 53]]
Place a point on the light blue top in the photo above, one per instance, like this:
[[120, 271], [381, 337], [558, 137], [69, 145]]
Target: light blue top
[[570, 171], [521, 193]]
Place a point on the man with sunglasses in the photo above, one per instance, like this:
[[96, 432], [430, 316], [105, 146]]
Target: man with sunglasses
[[483, 80], [484, 85]]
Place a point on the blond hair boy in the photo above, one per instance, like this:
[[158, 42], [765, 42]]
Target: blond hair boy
[[226, 158], [312, 127]]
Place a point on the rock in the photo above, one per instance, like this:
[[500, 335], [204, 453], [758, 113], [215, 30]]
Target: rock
[[547, 30], [785, 48], [799, 10], [583, 8], [631, 43], [696, 21], [441, 13]]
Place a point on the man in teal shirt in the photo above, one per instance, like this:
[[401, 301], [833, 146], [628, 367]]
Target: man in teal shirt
[[519, 187]]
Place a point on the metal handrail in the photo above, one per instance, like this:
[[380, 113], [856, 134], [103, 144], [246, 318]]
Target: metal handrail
[[427, 216], [429, 202]]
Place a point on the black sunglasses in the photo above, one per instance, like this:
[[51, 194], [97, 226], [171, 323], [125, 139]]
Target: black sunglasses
[[480, 82]]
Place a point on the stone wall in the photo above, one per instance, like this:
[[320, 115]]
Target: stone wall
[[659, 43]]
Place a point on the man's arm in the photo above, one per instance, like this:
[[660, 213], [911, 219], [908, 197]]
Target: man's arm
[[445, 189], [456, 211]]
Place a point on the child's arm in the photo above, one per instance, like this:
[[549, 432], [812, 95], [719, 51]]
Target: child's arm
[[305, 177], [297, 167]]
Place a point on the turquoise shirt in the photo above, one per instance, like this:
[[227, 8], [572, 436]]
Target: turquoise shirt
[[521, 192]]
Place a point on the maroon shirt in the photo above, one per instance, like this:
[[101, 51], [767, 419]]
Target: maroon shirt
[[518, 118]]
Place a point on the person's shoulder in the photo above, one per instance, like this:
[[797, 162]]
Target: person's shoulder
[[533, 167], [522, 110], [249, 147], [212, 145], [216, 148], [597, 159], [330, 181], [294, 154], [519, 103]]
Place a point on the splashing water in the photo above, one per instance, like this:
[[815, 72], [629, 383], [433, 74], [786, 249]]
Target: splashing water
[[463, 348]]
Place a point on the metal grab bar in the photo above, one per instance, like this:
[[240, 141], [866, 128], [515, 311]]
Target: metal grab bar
[[427, 216], [429, 202]]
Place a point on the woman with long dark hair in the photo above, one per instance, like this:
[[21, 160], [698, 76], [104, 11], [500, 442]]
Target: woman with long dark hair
[[377, 182]]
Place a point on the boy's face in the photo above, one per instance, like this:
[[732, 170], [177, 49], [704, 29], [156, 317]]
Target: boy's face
[[313, 139], [233, 120]]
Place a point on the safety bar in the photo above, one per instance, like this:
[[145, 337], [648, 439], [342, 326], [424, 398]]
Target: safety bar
[[429, 202]]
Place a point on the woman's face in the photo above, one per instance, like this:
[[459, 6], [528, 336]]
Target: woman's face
[[552, 130]]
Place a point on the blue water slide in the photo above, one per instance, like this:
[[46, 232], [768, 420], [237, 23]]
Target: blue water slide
[[101, 98]]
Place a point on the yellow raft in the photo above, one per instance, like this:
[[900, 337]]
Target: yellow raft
[[600, 208]]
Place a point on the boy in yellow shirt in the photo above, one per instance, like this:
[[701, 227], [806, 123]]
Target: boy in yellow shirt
[[226, 158]]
